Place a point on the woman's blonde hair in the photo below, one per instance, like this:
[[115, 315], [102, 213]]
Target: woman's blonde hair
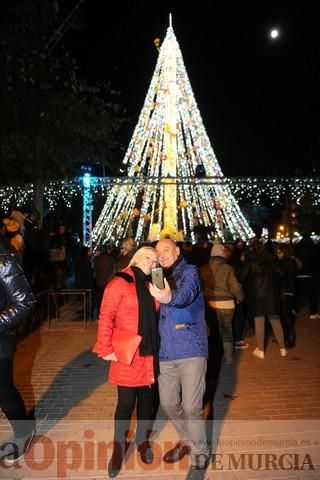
[[139, 253]]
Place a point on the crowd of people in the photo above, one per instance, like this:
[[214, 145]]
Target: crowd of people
[[214, 295]]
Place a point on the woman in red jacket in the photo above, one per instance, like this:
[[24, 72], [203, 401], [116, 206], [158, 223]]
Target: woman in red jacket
[[128, 305]]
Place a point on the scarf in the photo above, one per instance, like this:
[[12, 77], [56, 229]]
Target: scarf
[[147, 321], [168, 272]]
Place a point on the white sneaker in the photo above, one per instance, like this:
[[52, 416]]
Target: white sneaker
[[283, 352], [20, 447], [7, 447], [315, 316], [258, 353]]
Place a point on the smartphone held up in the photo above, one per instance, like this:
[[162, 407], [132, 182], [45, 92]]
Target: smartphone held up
[[157, 277]]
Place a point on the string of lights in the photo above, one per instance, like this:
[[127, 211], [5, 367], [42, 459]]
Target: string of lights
[[253, 189]]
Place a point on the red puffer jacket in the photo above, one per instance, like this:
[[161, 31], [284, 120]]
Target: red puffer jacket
[[119, 308]]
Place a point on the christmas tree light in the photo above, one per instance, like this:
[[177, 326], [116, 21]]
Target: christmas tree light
[[257, 190], [175, 185], [170, 144]]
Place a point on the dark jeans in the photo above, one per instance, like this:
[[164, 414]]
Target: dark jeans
[[215, 351], [128, 397], [287, 318], [239, 322], [11, 401], [225, 317]]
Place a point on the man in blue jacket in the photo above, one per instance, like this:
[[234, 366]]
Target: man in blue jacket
[[183, 355], [16, 302]]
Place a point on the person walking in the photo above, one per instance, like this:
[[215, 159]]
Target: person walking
[[16, 303], [183, 356], [288, 265], [128, 305], [262, 279], [240, 324], [308, 277], [222, 290]]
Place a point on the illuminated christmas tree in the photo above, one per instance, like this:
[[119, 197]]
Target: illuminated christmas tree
[[175, 186]]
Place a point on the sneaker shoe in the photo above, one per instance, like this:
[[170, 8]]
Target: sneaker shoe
[[283, 352], [258, 353], [20, 447], [314, 316], [241, 344], [7, 447]]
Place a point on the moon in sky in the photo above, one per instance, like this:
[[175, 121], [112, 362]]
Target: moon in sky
[[274, 33]]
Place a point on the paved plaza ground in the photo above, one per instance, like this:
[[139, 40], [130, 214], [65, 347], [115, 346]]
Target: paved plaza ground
[[266, 412]]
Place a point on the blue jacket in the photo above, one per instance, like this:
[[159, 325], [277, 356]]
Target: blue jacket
[[182, 326]]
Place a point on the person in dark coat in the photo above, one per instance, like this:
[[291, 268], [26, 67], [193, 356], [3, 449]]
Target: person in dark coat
[[85, 277], [288, 265], [127, 250], [308, 278], [200, 252], [262, 279], [57, 251], [240, 319], [103, 265], [16, 302], [31, 242]]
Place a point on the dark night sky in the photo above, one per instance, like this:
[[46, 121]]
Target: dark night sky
[[259, 99]]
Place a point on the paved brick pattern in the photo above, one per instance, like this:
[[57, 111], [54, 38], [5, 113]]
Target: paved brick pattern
[[276, 388], [262, 407]]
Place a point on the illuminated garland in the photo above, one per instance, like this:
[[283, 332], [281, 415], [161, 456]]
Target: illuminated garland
[[257, 190]]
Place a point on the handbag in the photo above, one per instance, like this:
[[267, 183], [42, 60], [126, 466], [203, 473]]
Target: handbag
[[125, 345]]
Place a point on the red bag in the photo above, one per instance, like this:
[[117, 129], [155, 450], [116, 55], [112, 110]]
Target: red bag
[[125, 345]]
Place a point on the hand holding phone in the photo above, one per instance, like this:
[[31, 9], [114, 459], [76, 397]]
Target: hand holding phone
[[162, 294], [157, 277]]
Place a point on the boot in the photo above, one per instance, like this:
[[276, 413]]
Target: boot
[[146, 453], [228, 351], [116, 460]]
